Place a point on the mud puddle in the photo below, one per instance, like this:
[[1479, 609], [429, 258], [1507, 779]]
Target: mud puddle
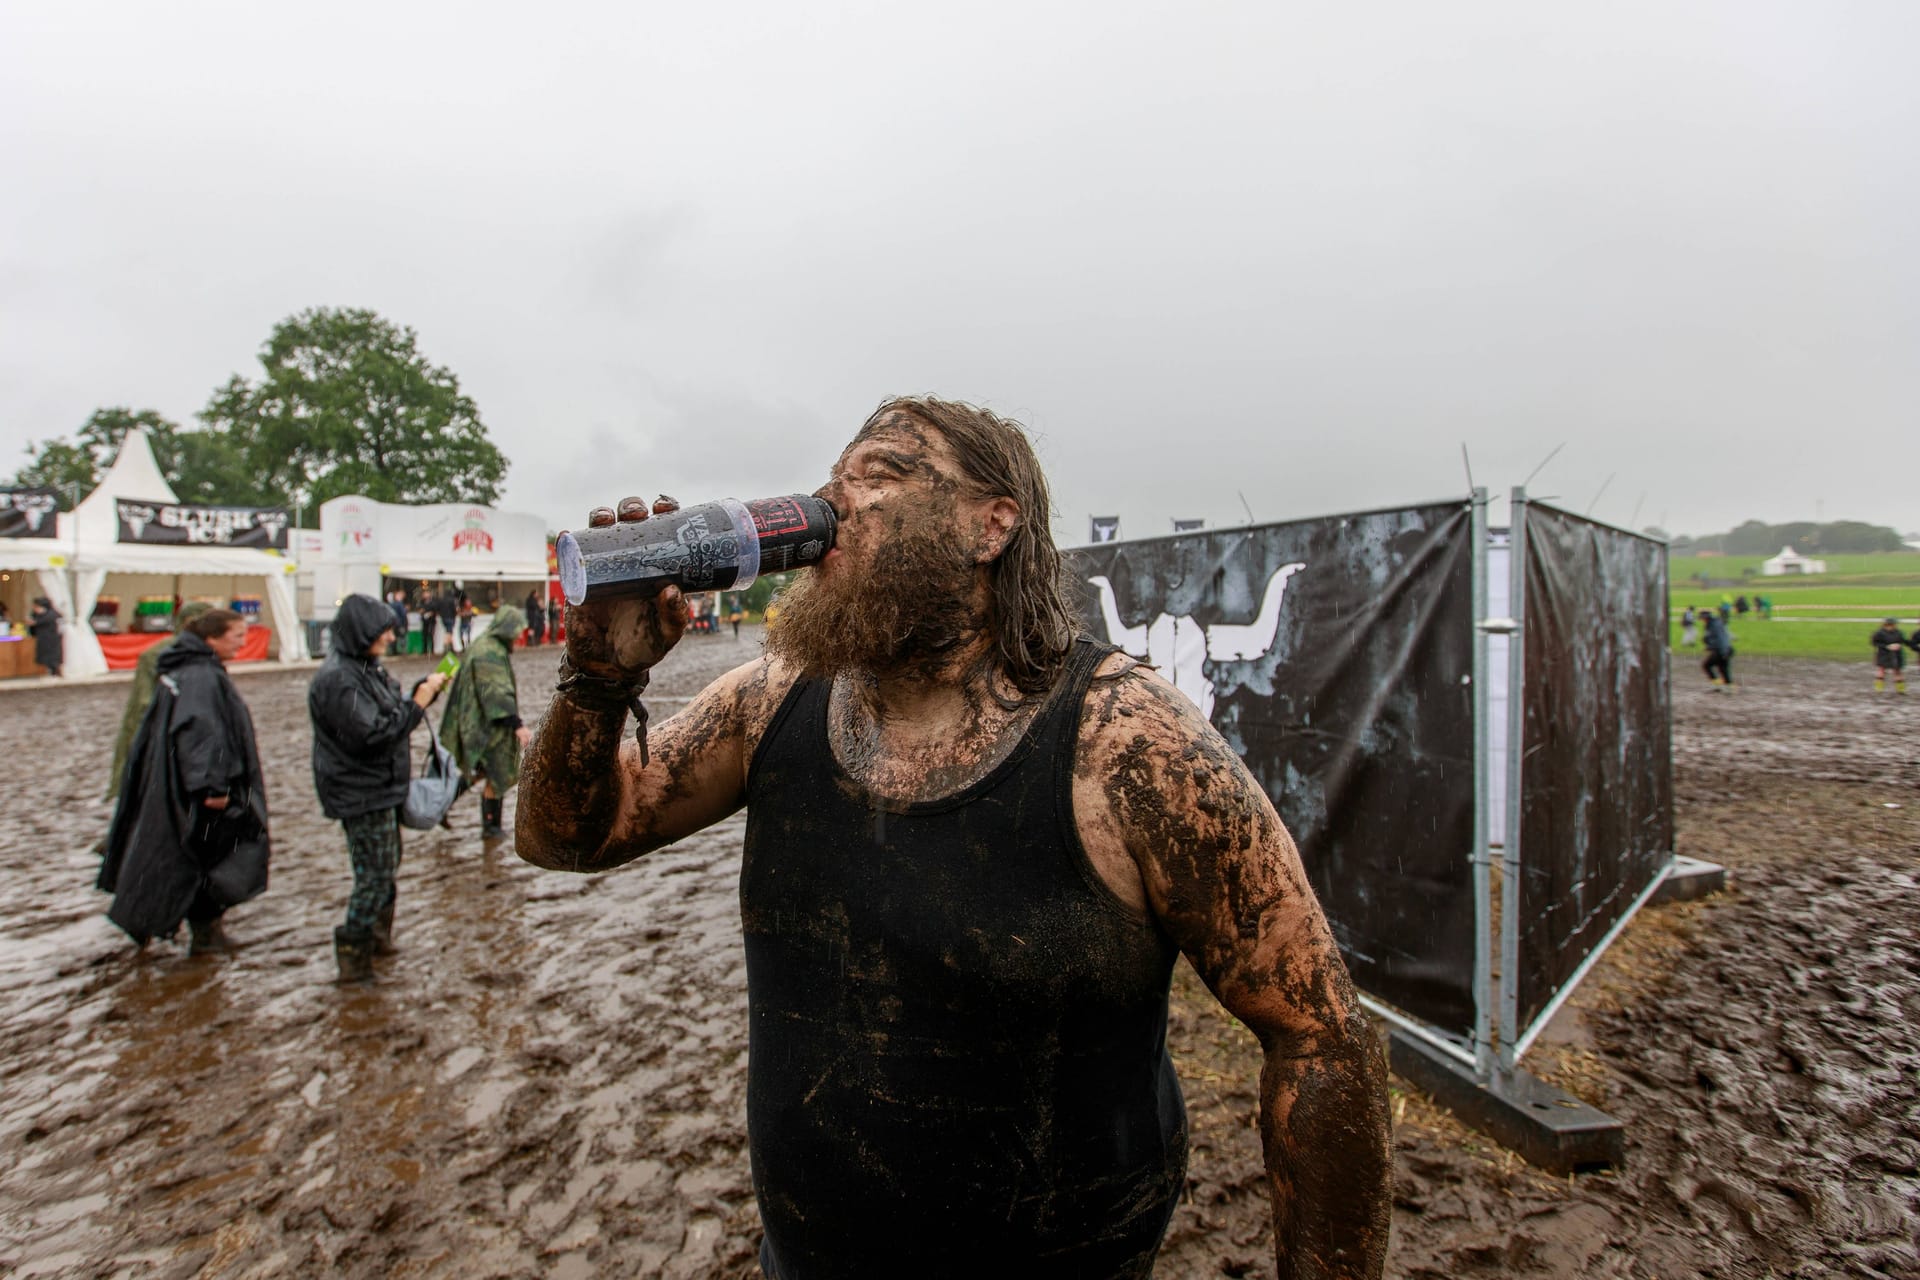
[[550, 1080]]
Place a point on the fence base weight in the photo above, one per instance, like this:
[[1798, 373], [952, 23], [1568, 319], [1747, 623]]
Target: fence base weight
[[1689, 878], [1537, 1122]]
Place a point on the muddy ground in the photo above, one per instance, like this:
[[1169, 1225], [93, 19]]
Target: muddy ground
[[549, 1079]]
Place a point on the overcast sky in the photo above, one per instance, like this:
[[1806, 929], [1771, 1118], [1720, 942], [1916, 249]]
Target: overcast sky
[[1297, 251]]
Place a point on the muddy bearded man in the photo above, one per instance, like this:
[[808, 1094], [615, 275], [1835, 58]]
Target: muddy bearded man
[[976, 840]]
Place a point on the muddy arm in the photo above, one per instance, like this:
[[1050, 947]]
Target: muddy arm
[[1225, 881], [587, 803]]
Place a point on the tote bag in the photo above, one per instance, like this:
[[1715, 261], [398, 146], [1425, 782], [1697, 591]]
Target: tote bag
[[430, 795]]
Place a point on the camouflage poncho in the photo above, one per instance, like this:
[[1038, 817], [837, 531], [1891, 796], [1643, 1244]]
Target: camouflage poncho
[[483, 704]]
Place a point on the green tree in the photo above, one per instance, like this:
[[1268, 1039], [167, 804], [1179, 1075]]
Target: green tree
[[201, 466], [347, 404]]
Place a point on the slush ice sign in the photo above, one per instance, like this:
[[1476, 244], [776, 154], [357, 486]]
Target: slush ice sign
[[474, 536], [175, 524]]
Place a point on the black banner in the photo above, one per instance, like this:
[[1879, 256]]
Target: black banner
[[1596, 781], [1334, 655], [1188, 526], [28, 512], [1105, 529], [175, 524]]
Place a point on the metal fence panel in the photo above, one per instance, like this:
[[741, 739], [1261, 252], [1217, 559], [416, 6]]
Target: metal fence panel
[[1596, 781], [1335, 655]]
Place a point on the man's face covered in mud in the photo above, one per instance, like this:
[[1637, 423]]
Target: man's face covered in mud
[[901, 588]]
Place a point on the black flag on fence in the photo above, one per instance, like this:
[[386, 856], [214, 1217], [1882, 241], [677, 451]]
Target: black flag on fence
[[1188, 526], [1333, 655], [28, 512], [174, 524], [1106, 529]]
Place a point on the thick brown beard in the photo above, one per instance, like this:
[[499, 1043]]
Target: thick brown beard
[[912, 608]]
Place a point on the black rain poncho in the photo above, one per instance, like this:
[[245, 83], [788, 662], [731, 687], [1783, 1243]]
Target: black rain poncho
[[164, 849]]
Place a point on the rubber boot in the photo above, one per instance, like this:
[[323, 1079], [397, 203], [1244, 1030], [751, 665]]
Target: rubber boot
[[354, 955], [491, 808], [1880, 685], [383, 933], [1899, 685], [204, 936]]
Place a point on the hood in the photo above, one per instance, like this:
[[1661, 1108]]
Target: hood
[[359, 623], [508, 623], [187, 648]]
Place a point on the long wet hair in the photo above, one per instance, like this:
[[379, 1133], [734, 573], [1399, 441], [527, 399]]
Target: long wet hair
[[1033, 622]]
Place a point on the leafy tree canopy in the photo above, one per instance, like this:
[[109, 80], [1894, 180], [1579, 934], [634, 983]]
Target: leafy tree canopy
[[200, 466], [347, 404]]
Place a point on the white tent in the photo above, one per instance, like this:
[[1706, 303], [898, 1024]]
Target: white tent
[[75, 566], [362, 541], [1789, 562]]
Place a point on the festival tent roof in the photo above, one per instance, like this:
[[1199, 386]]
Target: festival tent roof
[[87, 542], [1791, 561]]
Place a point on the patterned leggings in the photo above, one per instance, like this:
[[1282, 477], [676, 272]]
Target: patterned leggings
[[373, 842]]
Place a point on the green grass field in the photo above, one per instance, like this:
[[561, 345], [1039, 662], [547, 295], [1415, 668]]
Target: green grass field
[[1826, 616], [1881, 564], [1838, 641]]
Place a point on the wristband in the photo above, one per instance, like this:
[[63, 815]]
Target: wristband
[[599, 693]]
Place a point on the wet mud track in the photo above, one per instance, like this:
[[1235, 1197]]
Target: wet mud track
[[549, 1079]]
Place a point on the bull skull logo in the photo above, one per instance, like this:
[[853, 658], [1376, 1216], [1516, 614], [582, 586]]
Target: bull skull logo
[[1181, 647], [138, 517]]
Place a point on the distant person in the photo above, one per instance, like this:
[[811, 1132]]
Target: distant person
[[189, 838], [1889, 656], [481, 725], [429, 622], [49, 646], [466, 620], [1718, 663], [553, 620], [536, 619], [1765, 605], [1740, 605], [1689, 628], [398, 603], [362, 764], [146, 678], [448, 607], [1726, 609]]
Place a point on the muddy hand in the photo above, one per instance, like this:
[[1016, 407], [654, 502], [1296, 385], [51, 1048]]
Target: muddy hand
[[618, 639]]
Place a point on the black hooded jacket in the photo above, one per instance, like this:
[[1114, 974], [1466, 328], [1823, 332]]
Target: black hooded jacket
[[362, 760], [165, 848]]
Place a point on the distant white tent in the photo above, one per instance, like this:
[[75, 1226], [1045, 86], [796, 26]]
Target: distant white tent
[[1790, 562], [75, 565]]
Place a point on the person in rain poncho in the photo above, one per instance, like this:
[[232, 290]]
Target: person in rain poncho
[[146, 678], [482, 723], [362, 763], [189, 838]]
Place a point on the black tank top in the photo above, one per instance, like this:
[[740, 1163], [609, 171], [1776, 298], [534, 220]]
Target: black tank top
[[957, 1055]]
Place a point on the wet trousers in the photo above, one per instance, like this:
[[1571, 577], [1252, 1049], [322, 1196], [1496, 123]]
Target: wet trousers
[[1718, 666], [373, 842]]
